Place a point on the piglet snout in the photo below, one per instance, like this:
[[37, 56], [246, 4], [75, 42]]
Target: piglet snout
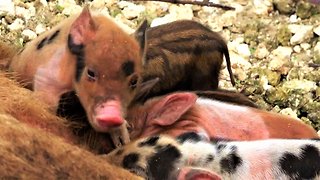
[[109, 114], [190, 173]]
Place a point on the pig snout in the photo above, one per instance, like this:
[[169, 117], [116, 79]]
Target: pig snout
[[109, 114], [191, 173]]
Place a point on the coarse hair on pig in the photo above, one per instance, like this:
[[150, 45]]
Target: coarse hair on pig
[[185, 55], [29, 152]]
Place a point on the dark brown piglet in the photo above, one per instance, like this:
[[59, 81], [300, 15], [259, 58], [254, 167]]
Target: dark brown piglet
[[184, 55]]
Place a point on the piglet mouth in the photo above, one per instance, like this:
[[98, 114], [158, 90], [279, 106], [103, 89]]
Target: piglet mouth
[[108, 115]]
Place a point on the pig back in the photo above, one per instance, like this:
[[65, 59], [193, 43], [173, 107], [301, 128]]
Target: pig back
[[185, 55], [282, 126], [40, 52], [228, 121]]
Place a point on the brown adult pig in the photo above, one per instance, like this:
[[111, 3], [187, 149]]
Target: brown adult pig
[[28, 152], [6, 53]]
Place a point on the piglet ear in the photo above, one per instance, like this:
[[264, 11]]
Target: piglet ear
[[83, 28], [144, 89], [190, 173], [170, 108], [140, 33], [141, 36]]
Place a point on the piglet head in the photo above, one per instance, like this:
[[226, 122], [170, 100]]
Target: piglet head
[[108, 67], [159, 114]]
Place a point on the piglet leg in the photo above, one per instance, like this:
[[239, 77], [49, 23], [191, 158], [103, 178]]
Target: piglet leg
[[120, 135]]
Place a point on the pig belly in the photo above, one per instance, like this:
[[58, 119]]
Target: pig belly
[[227, 121]]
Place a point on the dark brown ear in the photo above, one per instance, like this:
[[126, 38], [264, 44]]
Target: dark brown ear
[[141, 36], [140, 33], [83, 28], [144, 89]]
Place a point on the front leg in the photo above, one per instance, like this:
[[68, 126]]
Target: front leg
[[120, 135]]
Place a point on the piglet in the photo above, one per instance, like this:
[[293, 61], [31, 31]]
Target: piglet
[[163, 157], [185, 55], [92, 56], [181, 112]]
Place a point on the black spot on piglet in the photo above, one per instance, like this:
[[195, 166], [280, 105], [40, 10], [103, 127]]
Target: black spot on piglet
[[230, 163], [190, 136], [221, 147], [162, 164], [209, 158], [53, 36], [78, 51], [304, 166], [128, 68], [41, 43], [130, 160], [152, 141]]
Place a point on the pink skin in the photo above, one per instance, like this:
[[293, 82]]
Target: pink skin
[[108, 114], [191, 173], [178, 113]]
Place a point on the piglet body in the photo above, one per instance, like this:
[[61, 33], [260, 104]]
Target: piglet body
[[262, 159], [178, 113], [191, 157], [185, 55]]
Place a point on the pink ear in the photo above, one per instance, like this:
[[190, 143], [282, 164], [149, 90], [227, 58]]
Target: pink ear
[[83, 28], [170, 108]]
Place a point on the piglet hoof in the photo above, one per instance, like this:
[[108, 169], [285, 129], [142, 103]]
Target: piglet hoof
[[120, 135]]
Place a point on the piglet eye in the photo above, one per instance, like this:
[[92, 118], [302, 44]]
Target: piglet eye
[[91, 75], [133, 82]]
